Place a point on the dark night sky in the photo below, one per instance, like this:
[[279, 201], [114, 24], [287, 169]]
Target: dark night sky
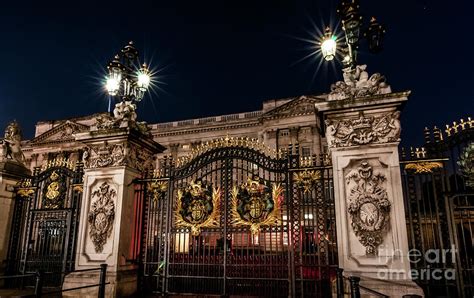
[[226, 56]]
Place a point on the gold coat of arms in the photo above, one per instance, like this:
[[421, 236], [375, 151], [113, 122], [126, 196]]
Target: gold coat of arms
[[197, 207], [255, 204]]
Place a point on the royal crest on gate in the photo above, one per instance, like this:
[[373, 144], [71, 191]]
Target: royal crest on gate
[[53, 193], [255, 204], [198, 207]]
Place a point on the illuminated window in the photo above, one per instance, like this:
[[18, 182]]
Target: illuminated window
[[305, 151]]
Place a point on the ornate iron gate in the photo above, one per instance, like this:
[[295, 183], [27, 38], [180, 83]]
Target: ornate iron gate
[[438, 182], [45, 222], [237, 219]]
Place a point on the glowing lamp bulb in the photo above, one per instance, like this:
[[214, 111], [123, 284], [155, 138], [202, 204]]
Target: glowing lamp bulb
[[112, 85], [143, 80], [328, 48]]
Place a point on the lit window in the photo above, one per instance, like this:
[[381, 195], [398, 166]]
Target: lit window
[[305, 151]]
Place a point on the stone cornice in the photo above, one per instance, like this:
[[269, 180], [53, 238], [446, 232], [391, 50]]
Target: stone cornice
[[193, 129], [375, 100]]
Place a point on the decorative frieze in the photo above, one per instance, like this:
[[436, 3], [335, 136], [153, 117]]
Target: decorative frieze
[[118, 154], [368, 206], [363, 130], [101, 215]]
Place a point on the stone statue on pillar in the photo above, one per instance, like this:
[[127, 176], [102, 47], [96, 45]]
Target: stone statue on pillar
[[11, 144], [357, 83]]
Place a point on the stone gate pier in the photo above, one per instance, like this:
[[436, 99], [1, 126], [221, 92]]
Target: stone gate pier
[[12, 171], [362, 129], [118, 150]]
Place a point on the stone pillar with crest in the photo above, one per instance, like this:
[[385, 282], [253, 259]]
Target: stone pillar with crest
[[362, 130], [118, 150], [12, 171]]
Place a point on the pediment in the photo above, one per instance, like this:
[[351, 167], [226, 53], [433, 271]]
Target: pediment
[[303, 105], [60, 133]]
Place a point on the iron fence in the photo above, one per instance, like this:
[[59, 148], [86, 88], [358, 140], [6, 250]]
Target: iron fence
[[440, 211]]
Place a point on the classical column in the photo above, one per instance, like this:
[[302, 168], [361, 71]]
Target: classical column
[[363, 137], [114, 157]]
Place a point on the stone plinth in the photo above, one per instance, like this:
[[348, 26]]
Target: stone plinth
[[11, 172], [113, 159], [363, 137]]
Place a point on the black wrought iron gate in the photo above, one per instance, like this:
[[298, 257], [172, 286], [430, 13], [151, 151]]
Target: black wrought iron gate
[[45, 221], [438, 182], [237, 219]]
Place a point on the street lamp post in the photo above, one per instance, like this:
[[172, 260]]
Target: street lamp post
[[354, 31], [127, 80]]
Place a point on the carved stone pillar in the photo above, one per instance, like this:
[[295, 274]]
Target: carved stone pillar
[[363, 137], [11, 172], [113, 158]]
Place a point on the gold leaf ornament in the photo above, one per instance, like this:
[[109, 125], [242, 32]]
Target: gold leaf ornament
[[194, 201], [241, 200], [423, 167], [306, 179]]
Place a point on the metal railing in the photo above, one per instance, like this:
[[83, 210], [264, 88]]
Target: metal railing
[[39, 278], [355, 287]]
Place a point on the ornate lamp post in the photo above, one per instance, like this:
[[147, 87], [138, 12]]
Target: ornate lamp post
[[127, 79], [354, 30]]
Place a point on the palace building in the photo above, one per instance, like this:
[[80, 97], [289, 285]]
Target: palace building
[[278, 124]]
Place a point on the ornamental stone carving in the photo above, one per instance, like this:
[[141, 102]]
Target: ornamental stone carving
[[363, 130], [11, 144], [357, 83], [111, 155], [104, 156], [101, 216], [466, 165], [124, 115], [368, 206]]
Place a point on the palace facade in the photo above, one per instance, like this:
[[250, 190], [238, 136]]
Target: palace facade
[[279, 123]]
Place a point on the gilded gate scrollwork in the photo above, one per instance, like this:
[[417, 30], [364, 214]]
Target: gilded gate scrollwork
[[306, 179], [53, 194]]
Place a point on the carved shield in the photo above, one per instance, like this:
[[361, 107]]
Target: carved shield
[[198, 210], [197, 207], [256, 208]]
